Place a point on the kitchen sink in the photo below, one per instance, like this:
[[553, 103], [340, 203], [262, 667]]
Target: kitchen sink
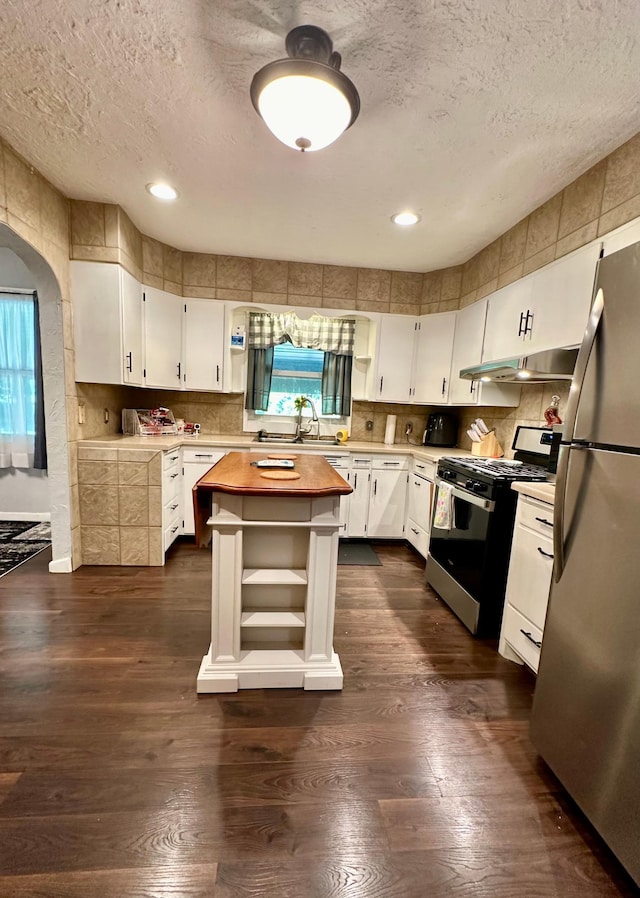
[[288, 439]]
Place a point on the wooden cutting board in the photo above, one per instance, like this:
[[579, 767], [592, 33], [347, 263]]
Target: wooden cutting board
[[280, 475]]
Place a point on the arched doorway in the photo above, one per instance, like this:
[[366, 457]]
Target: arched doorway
[[50, 301]]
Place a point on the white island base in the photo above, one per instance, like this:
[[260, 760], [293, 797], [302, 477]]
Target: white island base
[[274, 562]]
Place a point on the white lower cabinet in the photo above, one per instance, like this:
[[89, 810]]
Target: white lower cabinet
[[195, 464], [387, 497], [171, 497], [360, 480], [419, 504], [528, 583], [378, 501]]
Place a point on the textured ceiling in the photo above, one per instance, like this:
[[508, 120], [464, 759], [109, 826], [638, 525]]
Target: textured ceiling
[[473, 113]]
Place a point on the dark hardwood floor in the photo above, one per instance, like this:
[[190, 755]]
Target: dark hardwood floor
[[417, 781]]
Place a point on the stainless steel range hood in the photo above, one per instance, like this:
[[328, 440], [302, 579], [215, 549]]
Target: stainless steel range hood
[[540, 367]]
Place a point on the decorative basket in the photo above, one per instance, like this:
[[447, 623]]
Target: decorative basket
[[148, 422]]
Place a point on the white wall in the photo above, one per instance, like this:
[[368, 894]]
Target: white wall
[[24, 494]]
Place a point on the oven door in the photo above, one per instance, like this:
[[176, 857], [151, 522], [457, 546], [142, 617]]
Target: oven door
[[461, 549]]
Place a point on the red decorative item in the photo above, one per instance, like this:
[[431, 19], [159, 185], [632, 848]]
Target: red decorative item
[[551, 415]]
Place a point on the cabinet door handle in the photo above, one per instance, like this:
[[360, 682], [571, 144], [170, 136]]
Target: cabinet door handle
[[174, 457], [217, 374], [417, 483], [375, 486], [173, 529], [203, 455], [179, 366], [173, 476], [546, 554], [536, 642], [381, 382], [420, 466], [417, 532], [545, 521], [472, 387], [528, 323], [444, 385], [392, 463], [521, 325], [129, 362], [355, 480], [173, 507]]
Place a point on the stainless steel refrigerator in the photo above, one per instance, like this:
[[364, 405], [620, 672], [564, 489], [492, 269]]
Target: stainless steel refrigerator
[[586, 711]]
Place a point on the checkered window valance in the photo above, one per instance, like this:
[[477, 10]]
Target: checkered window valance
[[329, 334]]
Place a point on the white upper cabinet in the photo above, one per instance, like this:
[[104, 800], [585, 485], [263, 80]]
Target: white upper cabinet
[[184, 341], [546, 310], [107, 324], [467, 351], [432, 367], [131, 303], [505, 325], [394, 359], [204, 341], [623, 236], [561, 299], [163, 314]]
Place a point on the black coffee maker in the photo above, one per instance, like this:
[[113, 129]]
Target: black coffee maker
[[442, 430]]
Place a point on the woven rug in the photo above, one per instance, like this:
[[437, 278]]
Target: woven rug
[[20, 541]]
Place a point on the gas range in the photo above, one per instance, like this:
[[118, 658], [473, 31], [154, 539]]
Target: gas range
[[470, 540]]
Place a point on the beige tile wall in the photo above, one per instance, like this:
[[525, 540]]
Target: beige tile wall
[[535, 399], [603, 198], [120, 506]]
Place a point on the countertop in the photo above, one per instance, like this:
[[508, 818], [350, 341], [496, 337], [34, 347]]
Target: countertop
[[545, 492], [247, 441]]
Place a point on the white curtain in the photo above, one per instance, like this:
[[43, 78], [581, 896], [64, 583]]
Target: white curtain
[[17, 381]]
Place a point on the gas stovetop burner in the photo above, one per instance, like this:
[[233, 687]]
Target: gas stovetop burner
[[495, 468]]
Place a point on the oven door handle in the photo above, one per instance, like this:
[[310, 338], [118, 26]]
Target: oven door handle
[[471, 498]]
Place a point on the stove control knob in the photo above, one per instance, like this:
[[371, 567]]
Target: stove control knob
[[469, 484], [447, 475], [480, 487]]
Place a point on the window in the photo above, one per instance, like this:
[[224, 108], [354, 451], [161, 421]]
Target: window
[[296, 372], [17, 367]]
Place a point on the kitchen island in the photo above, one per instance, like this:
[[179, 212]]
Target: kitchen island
[[274, 554]]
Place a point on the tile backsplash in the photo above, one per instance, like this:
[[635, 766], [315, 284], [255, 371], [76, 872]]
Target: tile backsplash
[[222, 413]]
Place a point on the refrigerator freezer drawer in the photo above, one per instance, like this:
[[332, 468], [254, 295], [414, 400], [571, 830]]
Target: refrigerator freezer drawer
[[524, 637]]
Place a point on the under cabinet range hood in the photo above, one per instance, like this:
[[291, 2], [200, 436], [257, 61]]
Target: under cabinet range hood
[[540, 367]]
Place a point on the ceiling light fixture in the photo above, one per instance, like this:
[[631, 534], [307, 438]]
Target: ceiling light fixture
[[305, 100], [162, 191], [405, 219]]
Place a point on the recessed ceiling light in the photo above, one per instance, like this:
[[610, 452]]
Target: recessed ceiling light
[[524, 374], [485, 379], [162, 191], [405, 218]]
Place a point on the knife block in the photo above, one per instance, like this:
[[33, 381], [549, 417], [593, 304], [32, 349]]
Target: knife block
[[488, 447]]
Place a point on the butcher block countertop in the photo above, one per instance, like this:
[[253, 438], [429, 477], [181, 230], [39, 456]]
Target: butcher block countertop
[[235, 474]]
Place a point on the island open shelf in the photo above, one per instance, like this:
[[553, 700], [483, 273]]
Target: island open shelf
[[274, 555]]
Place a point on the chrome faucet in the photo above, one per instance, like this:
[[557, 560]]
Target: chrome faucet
[[300, 430]]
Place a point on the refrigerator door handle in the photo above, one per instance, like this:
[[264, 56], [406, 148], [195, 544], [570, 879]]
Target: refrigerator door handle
[[588, 342]]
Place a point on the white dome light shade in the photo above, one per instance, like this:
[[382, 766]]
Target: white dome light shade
[[405, 219], [162, 191], [304, 112], [305, 100]]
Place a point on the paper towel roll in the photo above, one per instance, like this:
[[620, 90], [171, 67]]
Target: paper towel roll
[[390, 431]]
